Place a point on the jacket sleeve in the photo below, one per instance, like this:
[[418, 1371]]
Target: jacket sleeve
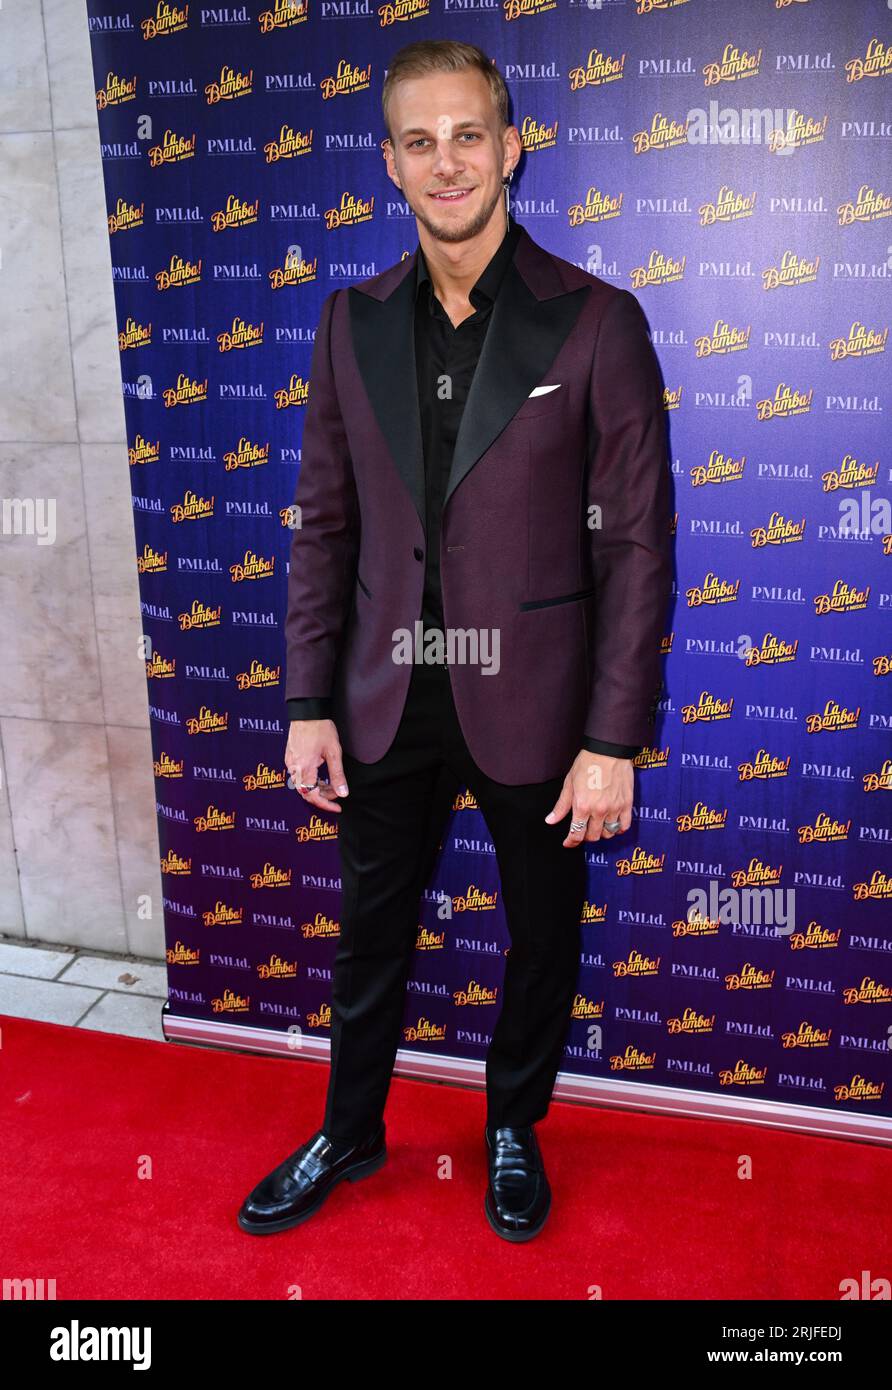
[[629, 482], [325, 542]]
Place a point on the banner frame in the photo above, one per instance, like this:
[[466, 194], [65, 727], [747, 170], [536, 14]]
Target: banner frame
[[581, 1090]]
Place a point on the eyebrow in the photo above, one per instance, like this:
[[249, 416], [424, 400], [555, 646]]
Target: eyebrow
[[420, 130]]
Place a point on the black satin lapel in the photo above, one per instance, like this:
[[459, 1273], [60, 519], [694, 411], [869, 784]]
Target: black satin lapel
[[524, 336], [383, 332]]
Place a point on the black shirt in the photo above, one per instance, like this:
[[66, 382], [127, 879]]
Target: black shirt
[[446, 358]]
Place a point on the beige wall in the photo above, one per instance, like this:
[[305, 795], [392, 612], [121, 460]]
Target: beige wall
[[78, 837]]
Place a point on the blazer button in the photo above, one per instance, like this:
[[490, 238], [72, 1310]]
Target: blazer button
[[418, 553]]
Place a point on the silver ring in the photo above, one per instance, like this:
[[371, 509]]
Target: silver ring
[[611, 825], [302, 786], [578, 824]]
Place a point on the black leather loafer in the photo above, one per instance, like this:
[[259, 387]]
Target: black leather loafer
[[518, 1198], [301, 1182]]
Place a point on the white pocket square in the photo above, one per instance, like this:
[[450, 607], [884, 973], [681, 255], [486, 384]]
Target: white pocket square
[[541, 390]]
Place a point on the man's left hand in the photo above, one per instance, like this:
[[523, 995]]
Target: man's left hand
[[597, 788]]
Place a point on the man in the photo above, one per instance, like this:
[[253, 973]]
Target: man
[[476, 597]]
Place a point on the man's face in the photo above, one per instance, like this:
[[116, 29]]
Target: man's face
[[446, 137]]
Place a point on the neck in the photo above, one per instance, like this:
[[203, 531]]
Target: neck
[[455, 267]]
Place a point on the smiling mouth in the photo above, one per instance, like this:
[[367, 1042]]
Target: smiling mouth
[[451, 195]]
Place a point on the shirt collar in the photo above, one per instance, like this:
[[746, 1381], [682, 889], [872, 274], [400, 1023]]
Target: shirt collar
[[490, 278]]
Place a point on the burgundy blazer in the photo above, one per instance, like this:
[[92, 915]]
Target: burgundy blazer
[[555, 545]]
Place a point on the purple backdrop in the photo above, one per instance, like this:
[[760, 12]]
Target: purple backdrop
[[244, 181]]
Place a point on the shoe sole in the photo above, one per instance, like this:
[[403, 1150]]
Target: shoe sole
[[516, 1236], [356, 1173]]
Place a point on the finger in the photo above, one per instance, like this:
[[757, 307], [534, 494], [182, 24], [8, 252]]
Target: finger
[[576, 837], [322, 796], [561, 806], [298, 773], [616, 814], [596, 826], [336, 772], [623, 814]]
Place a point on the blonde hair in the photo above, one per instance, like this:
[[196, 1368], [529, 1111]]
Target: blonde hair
[[443, 55]]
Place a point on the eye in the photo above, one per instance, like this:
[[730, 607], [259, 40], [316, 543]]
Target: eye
[[466, 134]]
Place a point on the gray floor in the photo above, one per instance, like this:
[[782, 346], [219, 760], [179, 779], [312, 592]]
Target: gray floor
[[59, 984]]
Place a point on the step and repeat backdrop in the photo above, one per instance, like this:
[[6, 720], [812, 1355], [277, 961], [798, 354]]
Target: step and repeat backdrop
[[729, 163]]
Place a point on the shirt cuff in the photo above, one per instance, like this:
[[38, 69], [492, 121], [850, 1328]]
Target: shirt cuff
[[310, 707], [612, 750]]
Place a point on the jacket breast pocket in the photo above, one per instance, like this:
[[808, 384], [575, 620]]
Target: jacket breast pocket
[[549, 403]]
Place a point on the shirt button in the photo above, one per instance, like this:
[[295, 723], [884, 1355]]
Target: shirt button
[[418, 553]]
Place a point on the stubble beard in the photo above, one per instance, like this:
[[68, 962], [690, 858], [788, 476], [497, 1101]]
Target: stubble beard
[[463, 231]]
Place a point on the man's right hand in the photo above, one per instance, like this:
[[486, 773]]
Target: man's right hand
[[310, 743]]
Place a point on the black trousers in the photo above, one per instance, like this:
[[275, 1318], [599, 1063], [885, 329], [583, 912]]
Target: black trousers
[[390, 829]]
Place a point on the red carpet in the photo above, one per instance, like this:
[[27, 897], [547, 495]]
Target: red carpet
[[643, 1207]]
